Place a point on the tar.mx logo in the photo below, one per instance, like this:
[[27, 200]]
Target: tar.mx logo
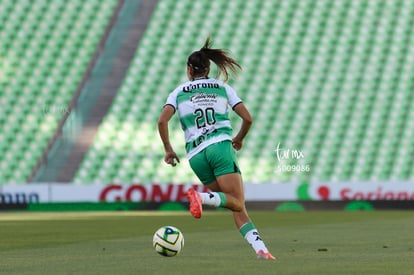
[[288, 160], [283, 154]]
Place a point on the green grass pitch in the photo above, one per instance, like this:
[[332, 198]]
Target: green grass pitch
[[320, 242]]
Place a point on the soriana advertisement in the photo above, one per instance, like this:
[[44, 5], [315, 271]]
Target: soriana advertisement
[[368, 191], [54, 192]]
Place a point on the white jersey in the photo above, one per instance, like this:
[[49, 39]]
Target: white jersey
[[203, 107]]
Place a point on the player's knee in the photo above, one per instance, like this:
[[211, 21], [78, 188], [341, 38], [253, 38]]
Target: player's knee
[[238, 205]]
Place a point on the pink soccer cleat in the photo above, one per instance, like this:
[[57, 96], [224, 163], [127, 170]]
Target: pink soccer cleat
[[261, 255], [196, 207]]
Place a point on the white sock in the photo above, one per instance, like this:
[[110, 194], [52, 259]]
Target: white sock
[[250, 234], [254, 239], [212, 198]]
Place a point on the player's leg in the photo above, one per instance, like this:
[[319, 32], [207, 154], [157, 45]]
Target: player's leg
[[217, 168], [215, 198], [205, 173], [232, 186], [228, 192], [219, 198], [216, 159]]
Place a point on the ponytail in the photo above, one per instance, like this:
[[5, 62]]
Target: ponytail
[[199, 61]]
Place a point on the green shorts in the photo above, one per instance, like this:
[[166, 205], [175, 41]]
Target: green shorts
[[215, 160]]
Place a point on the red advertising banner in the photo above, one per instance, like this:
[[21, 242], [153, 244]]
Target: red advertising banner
[[53, 192]]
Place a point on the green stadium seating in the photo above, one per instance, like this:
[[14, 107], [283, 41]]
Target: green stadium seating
[[45, 48], [329, 78]]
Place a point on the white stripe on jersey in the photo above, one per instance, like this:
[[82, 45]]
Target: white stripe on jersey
[[192, 133], [221, 107]]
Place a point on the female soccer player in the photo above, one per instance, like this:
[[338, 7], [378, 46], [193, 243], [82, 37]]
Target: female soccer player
[[203, 104]]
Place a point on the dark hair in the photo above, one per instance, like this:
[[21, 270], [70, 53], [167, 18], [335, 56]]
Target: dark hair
[[199, 61]]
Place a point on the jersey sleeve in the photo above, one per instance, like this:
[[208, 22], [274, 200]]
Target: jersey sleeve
[[234, 99], [172, 100]]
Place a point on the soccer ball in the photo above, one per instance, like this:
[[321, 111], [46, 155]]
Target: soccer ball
[[168, 241]]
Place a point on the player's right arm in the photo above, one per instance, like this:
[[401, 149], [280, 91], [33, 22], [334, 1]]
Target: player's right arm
[[166, 114]]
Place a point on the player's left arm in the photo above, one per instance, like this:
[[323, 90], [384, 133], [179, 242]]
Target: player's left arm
[[241, 110], [247, 121], [166, 114]]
